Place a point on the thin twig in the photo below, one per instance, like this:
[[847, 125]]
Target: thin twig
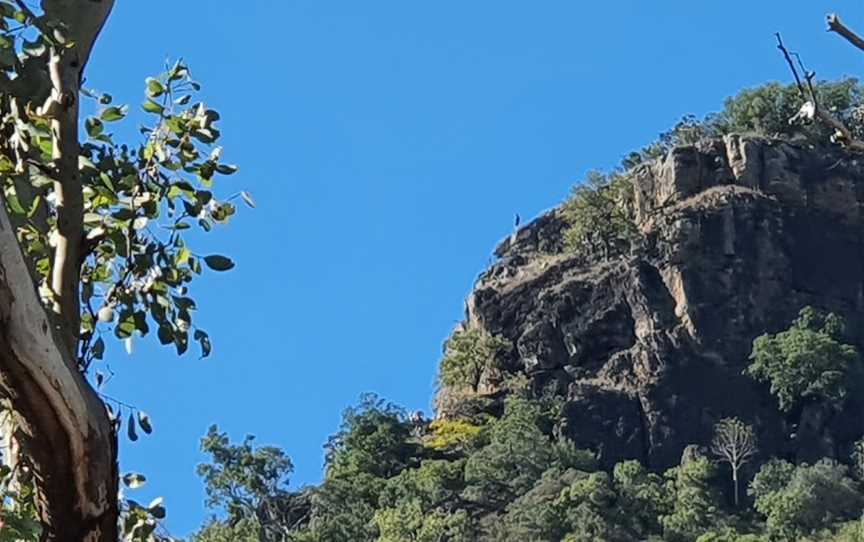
[[842, 134], [791, 64], [834, 25]]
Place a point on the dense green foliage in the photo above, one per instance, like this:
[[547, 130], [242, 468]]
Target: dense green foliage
[[799, 500], [518, 482], [764, 110], [512, 475], [808, 361], [599, 211], [467, 353], [598, 215]]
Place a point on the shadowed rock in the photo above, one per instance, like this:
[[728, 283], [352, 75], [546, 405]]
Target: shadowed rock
[[648, 348]]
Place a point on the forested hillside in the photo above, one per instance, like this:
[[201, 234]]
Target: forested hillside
[[673, 353]]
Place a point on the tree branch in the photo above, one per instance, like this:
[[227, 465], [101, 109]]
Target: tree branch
[[834, 25], [811, 110], [84, 20]]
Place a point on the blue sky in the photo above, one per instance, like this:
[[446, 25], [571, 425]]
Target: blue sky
[[388, 145]]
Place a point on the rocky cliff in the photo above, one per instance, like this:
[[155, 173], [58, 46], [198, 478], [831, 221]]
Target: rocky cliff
[[648, 349]]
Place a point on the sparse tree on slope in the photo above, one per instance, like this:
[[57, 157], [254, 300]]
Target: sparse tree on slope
[[734, 443]]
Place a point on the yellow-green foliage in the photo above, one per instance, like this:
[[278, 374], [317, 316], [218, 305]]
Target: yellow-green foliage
[[466, 354], [451, 434], [598, 215], [409, 522]]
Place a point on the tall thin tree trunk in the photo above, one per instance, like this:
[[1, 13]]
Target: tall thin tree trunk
[[65, 274], [735, 483]]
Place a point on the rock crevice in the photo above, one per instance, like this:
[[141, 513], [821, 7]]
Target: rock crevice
[[648, 349]]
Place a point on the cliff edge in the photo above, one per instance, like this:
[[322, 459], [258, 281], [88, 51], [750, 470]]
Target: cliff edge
[[647, 348]]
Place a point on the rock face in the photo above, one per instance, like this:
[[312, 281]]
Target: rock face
[[648, 349]]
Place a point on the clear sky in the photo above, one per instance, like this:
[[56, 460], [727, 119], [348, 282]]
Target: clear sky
[[388, 144]]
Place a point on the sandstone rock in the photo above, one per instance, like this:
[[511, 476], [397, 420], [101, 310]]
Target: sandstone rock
[[648, 349]]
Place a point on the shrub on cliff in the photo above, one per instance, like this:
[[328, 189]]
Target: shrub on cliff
[[808, 360], [598, 217], [763, 110], [467, 353]]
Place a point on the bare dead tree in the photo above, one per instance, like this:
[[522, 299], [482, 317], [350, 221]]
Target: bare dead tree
[[811, 109], [734, 443]]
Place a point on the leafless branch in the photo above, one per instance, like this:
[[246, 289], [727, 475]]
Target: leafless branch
[[834, 25], [734, 443], [792, 68], [811, 110]]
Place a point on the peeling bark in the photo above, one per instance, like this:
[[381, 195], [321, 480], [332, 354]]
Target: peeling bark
[[66, 434]]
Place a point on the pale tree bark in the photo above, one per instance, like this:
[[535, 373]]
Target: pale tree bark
[[64, 432], [734, 443], [812, 110], [84, 20]]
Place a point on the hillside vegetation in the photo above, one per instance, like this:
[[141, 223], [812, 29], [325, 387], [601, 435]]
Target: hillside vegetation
[[497, 464]]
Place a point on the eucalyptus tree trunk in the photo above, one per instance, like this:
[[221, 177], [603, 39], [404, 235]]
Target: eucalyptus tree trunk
[[63, 432]]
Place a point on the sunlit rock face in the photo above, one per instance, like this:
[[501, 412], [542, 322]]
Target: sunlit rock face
[[648, 348]]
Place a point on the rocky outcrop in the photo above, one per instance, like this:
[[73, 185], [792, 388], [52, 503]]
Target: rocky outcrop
[[648, 349]]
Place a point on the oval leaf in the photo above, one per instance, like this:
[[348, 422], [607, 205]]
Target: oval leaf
[[218, 263], [130, 428], [134, 480], [144, 422]]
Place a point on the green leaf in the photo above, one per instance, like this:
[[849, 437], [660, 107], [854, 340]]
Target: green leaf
[[141, 323], [227, 169], [204, 340], [98, 348], [165, 334], [94, 126], [126, 327], [15, 205], [154, 88], [112, 114], [152, 107], [181, 341], [130, 428], [134, 480], [156, 509], [182, 256], [185, 303], [218, 263], [144, 422]]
